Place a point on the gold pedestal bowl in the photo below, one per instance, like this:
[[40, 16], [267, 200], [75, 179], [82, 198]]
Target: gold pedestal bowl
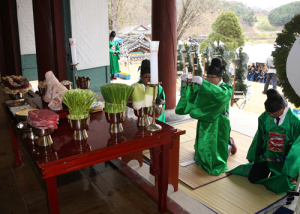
[[44, 136], [115, 120], [142, 115], [79, 127]]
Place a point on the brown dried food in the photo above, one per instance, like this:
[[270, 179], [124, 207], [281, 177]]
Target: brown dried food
[[83, 79], [15, 82]]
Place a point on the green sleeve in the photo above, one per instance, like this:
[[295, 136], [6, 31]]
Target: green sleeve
[[291, 166], [187, 99], [117, 50], [161, 95], [211, 101], [110, 50], [258, 141]]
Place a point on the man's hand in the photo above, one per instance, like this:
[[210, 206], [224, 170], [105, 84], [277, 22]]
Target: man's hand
[[184, 77], [197, 79]]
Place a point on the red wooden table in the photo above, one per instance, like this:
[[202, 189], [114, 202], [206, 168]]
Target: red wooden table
[[66, 154]]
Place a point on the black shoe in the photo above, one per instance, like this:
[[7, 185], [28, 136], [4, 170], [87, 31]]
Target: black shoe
[[232, 144]]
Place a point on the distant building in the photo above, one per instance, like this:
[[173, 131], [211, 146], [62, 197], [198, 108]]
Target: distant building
[[138, 29]]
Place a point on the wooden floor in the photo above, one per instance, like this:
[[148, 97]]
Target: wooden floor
[[97, 189]]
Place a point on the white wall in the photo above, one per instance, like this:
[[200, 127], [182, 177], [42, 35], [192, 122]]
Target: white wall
[[90, 29]]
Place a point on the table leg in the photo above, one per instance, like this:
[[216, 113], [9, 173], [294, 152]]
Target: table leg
[[163, 178], [52, 195], [15, 147], [154, 161]]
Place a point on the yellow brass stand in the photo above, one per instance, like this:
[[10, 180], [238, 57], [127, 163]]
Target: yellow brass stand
[[153, 126], [75, 68]]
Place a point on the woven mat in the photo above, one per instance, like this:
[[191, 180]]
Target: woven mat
[[233, 194], [194, 176]]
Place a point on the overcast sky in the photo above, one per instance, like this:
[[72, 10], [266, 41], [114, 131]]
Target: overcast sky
[[265, 3]]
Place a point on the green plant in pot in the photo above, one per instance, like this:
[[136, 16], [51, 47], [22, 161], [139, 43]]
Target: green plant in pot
[[79, 103], [116, 96]]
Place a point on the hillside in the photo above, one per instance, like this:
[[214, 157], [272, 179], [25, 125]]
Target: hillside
[[260, 31]]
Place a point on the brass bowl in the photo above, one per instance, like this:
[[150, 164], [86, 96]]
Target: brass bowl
[[115, 120], [44, 136], [16, 96], [26, 129], [83, 84], [142, 115], [79, 127]]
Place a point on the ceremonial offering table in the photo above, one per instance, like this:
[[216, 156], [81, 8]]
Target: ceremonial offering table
[[66, 154]]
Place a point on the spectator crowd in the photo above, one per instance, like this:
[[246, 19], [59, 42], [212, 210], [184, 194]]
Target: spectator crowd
[[257, 72]]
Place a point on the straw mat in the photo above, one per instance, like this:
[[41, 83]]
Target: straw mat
[[233, 194], [194, 176]]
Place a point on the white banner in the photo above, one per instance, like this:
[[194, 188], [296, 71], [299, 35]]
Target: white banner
[[90, 28], [26, 27]]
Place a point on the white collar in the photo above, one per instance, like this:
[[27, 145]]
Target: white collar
[[282, 116], [220, 82]]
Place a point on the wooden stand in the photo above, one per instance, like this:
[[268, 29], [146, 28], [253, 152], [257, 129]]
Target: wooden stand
[[233, 85]]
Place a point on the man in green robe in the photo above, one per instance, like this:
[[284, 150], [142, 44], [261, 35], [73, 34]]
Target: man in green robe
[[273, 156], [208, 101], [145, 78], [114, 52]]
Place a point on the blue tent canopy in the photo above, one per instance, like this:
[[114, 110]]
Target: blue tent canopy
[[119, 40]]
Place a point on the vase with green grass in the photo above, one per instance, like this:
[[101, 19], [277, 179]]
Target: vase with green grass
[[79, 103], [116, 96]]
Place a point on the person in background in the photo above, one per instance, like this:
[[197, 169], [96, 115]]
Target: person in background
[[271, 74], [258, 73], [262, 75], [274, 153], [114, 52], [251, 72], [208, 102], [145, 78]]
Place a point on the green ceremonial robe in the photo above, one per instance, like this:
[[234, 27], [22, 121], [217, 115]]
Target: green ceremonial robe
[[161, 95], [277, 142], [206, 103], [114, 52]]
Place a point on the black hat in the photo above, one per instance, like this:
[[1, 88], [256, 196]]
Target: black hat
[[145, 67], [216, 67], [274, 102], [112, 34]]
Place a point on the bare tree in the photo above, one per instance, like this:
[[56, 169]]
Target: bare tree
[[114, 17], [190, 13]]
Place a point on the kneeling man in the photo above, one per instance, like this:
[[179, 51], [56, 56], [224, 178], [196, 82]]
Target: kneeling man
[[274, 153]]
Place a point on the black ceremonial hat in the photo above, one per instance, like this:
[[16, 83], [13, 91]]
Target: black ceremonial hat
[[112, 34], [145, 67], [274, 102], [216, 67]]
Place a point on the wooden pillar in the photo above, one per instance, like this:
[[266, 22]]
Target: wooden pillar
[[164, 30], [49, 38], [9, 37]]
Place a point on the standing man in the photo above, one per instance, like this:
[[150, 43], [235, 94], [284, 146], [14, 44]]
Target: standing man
[[271, 74], [208, 101], [114, 52], [274, 153]]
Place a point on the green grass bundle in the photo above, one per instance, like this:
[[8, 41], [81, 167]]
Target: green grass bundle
[[116, 96], [79, 102]]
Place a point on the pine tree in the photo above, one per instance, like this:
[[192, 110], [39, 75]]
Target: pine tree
[[226, 28]]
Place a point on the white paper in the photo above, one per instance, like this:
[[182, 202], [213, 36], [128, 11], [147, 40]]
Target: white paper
[[154, 61], [187, 163], [73, 50]]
